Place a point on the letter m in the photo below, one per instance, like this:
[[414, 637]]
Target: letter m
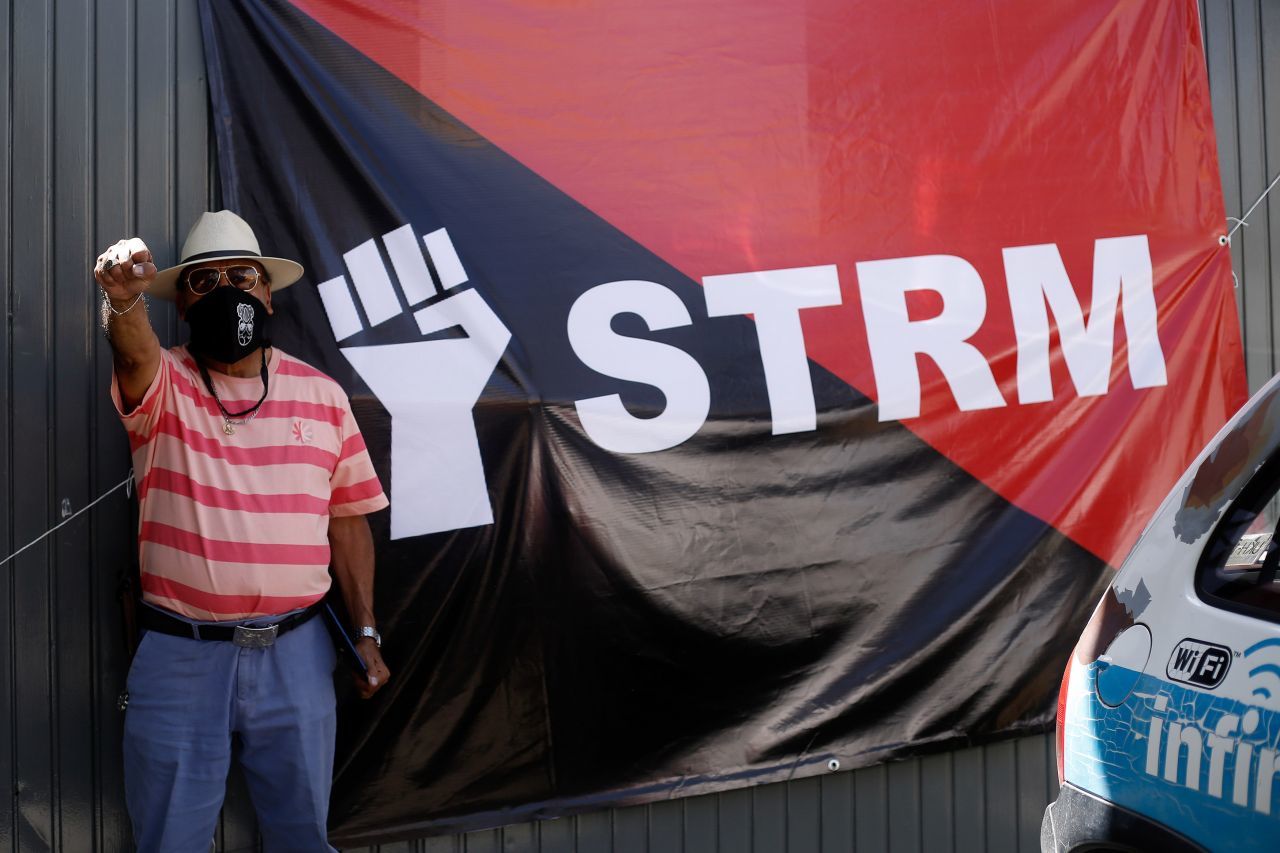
[[1038, 285]]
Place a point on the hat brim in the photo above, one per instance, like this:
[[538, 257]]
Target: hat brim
[[281, 271]]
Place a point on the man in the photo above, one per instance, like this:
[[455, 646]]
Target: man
[[252, 480]]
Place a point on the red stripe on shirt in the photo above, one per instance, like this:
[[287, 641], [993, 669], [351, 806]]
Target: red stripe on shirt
[[270, 409], [370, 488], [234, 552], [211, 496], [284, 454], [217, 603], [289, 367], [286, 365], [353, 445], [148, 403]]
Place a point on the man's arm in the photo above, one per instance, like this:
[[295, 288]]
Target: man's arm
[[352, 546], [135, 348]]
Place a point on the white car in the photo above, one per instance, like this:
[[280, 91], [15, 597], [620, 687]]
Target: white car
[[1169, 712]]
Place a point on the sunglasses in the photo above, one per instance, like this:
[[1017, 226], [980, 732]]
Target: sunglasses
[[202, 280]]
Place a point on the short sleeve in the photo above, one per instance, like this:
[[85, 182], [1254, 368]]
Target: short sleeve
[[355, 489], [141, 421]]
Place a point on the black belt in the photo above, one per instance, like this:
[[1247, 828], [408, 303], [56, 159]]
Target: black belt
[[245, 636]]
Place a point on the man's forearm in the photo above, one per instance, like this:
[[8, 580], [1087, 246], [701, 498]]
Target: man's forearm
[[352, 545], [133, 340], [135, 349], [135, 352]]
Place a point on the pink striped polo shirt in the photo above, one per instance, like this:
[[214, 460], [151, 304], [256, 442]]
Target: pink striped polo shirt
[[234, 526]]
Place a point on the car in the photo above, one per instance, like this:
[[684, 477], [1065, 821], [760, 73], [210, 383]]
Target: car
[[1168, 729]]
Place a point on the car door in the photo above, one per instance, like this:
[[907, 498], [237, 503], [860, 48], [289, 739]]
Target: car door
[[1171, 704]]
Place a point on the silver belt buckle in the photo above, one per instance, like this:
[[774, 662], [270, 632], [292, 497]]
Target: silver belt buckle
[[254, 638]]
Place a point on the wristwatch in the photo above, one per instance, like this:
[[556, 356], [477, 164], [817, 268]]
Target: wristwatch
[[370, 631]]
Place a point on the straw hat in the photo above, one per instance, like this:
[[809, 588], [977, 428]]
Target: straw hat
[[218, 236]]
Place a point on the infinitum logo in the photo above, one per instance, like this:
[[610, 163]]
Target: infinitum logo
[[1184, 745], [429, 387]]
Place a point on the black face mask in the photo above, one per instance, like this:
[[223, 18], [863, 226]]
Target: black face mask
[[227, 325]]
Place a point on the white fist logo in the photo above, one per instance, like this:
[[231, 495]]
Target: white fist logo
[[428, 387]]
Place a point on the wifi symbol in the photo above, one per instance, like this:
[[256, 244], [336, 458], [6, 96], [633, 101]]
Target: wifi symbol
[[1262, 669]]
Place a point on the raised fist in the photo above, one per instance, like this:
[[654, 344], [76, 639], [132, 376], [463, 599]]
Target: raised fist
[[125, 269], [429, 387]]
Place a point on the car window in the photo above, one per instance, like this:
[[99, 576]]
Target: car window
[[1240, 567]]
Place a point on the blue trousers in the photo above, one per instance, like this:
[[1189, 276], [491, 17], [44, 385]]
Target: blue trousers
[[190, 701]]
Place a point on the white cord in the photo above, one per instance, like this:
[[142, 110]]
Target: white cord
[[123, 484], [1241, 221]]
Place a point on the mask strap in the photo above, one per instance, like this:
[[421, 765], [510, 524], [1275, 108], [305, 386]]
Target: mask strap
[[208, 383]]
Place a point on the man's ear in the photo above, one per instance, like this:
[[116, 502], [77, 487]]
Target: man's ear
[[267, 296]]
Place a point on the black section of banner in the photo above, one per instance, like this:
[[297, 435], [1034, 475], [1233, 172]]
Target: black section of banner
[[739, 608]]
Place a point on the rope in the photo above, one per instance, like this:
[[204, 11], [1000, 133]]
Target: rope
[[1241, 221], [123, 484]]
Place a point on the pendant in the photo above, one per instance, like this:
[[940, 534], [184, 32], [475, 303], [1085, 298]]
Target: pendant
[[228, 428]]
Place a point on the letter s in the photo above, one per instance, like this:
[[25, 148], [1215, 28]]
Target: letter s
[[673, 371]]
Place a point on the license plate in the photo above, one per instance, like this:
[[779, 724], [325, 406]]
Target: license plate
[[1249, 552]]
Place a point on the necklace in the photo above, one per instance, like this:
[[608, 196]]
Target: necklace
[[229, 424], [230, 420]]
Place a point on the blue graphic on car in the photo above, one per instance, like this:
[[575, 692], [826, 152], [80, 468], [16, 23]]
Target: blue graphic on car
[[1256, 672], [1202, 764]]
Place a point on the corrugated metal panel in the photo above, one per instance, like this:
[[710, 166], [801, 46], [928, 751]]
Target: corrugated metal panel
[[104, 112], [1000, 794], [1242, 41], [104, 106]]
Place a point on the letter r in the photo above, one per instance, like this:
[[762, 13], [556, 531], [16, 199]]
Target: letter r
[[895, 340]]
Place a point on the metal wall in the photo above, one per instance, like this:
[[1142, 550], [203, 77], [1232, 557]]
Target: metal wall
[[1242, 44], [979, 799], [103, 116], [103, 104]]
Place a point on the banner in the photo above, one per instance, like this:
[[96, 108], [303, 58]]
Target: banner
[[760, 387]]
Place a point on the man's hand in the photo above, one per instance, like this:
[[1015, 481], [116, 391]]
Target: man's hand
[[378, 674], [124, 270]]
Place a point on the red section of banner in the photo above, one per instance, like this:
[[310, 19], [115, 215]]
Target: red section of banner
[[737, 136]]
